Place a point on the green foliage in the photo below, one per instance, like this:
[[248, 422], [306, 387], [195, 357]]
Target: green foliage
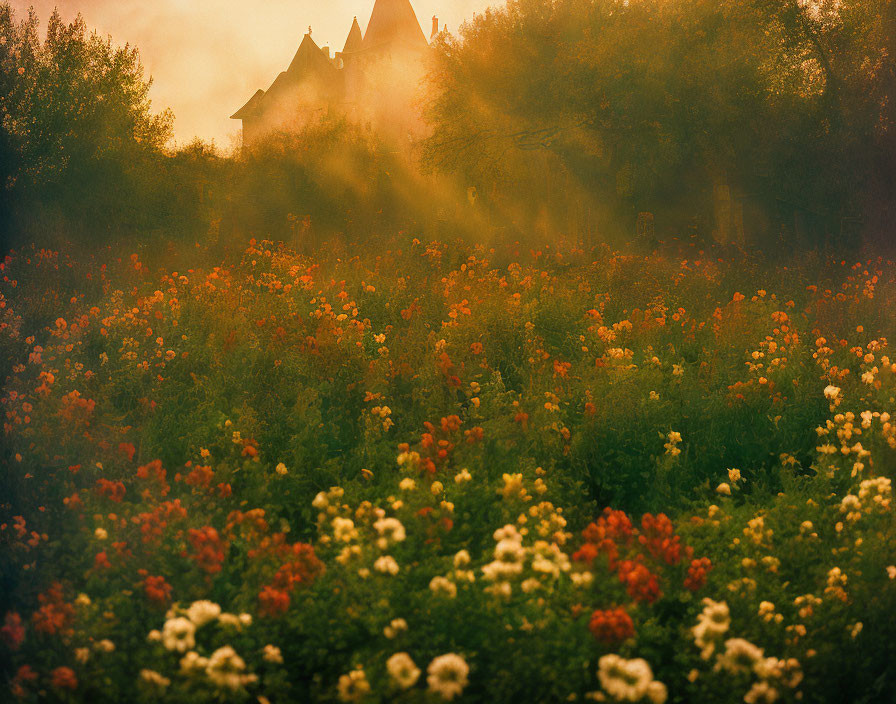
[[646, 106]]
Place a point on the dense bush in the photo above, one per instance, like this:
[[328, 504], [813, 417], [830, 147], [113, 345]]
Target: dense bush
[[384, 476]]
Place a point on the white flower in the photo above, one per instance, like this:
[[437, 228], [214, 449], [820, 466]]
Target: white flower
[[761, 693], [230, 620], [154, 636], [178, 634], [724, 489], [442, 586], [246, 619], [407, 484], [712, 623], [153, 678], [320, 501], [353, 686], [82, 655], [100, 534], [462, 476], [396, 626], [344, 529], [225, 669], [402, 670], [386, 564], [105, 646], [740, 656], [203, 611], [461, 559], [271, 653], [657, 692], [831, 392], [447, 675], [193, 662], [390, 530], [625, 680]]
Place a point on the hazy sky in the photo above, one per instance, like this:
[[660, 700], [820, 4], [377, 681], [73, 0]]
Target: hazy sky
[[207, 57]]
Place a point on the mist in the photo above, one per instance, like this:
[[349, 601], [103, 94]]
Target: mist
[[206, 57]]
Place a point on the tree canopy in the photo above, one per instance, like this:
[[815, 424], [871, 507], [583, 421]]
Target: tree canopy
[[642, 100]]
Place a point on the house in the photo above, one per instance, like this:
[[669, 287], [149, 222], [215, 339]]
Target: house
[[375, 81]]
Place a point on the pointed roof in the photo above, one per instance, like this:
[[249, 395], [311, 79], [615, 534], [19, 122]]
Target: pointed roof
[[394, 21], [355, 39], [309, 57], [249, 108]]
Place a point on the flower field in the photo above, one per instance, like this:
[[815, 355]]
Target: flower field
[[430, 472]]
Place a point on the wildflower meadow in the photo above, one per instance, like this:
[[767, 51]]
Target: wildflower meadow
[[419, 471]]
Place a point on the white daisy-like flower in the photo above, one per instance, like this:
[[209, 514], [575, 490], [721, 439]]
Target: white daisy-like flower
[[271, 653], [624, 680], [447, 675], [154, 679], [386, 564], [403, 671], [443, 587], [179, 634], [353, 686], [193, 662], [226, 669], [202, 612]]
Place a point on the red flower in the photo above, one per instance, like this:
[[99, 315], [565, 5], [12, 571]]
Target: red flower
[[54, 614], [658, 536], [274, 602], [13, 632], [640, 583], [113, 491], [697, 574], [210, 549], [158, 591], [64, 678], [612, 625], [127, 449], [24, 674]]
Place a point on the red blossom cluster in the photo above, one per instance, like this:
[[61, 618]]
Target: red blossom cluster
[[200, 476], [114, 491], [294, 564], [658, 536], [628, 552], [24, 675], [54, 614], [611, 626], [697, 570], [154, 471], [209, 548], [153, 523], [640, 583], [157, 590], [436, 443], [64, 678], [75, 408], [13, 631]]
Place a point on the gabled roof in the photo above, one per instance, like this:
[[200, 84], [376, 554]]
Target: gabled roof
[[394, 21], [310, 58], [355, 40], [249, 108]]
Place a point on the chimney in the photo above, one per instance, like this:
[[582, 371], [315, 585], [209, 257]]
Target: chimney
[[435, 27], [326, 51]]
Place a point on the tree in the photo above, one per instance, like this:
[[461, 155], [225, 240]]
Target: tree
[[648, 103], [76, 125]]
